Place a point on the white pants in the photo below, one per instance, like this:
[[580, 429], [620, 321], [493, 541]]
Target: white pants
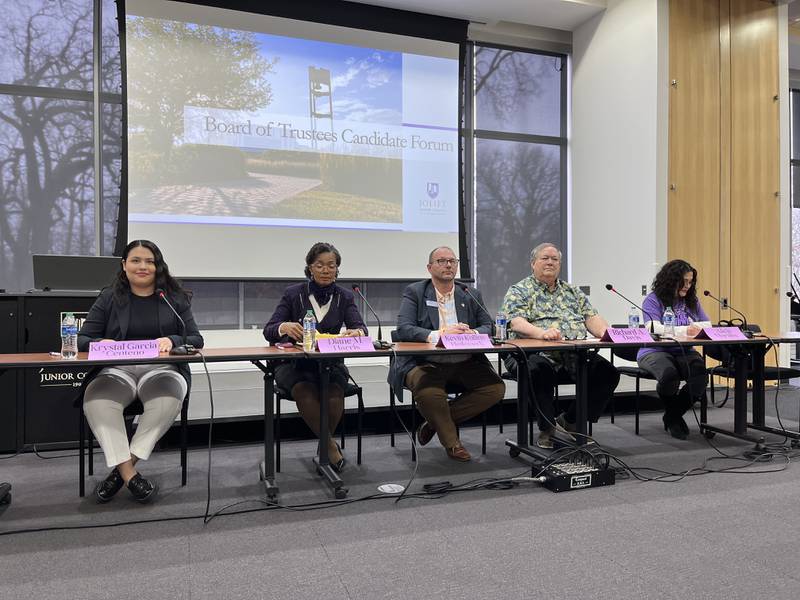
[[161, 389]]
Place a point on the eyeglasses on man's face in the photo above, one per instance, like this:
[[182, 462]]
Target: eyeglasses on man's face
[[446, 262]]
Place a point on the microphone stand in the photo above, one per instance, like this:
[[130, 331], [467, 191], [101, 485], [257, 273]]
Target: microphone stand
[[744, 328], [656, 336], [184, 348], [379, 343], [496, 341]]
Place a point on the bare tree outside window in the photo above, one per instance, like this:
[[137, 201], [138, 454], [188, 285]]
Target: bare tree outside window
[[519, 191], [47, 179], [518, 206], [46, 156]]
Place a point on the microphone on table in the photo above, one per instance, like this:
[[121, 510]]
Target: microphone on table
[[184, 348], [379, 343], [745, 329], [495, 340], [656, 336]]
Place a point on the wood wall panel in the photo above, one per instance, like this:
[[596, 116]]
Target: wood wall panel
[[694, 139], [755, 157], [724, 215]]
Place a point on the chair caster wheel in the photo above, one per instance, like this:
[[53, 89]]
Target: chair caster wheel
[[709, 435], [340, 493]]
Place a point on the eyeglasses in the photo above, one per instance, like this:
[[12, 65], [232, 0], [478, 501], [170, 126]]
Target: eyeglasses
[[320, 266], [446, 261]]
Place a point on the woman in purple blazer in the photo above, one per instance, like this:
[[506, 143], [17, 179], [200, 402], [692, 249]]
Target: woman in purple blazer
[[675, 286], [334, 308]]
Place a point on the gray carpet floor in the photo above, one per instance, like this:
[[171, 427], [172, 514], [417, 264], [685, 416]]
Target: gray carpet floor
[[732, 535]]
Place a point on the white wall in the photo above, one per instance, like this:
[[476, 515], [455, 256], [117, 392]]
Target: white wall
[[784, 62], [619, 151]]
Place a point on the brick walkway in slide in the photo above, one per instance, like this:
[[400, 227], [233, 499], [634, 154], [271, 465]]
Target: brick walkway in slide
[[252, 197]]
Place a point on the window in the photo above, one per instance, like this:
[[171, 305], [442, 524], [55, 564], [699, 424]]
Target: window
[[48, 183], [519, 170], [53, 198]]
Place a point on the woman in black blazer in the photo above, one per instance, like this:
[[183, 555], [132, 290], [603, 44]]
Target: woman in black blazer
[[334, 308], [132, 309]]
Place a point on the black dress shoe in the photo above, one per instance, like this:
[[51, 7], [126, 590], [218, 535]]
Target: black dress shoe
[[673, 427], [339, 465], [682, 424], [425, 433], [108, 488], [143, 490]]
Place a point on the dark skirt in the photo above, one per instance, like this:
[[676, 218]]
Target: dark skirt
[[303, 370]]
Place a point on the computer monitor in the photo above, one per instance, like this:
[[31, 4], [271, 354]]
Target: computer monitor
[[55, 272]]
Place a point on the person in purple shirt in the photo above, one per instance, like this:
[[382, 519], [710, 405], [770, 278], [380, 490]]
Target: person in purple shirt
[[675, 286]]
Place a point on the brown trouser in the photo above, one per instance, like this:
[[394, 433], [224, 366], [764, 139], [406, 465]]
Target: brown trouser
[[475, 379]]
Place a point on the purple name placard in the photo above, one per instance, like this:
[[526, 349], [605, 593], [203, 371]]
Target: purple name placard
[[465, 341], [620, 335], [721, 334], [345, 344], [122, 350]]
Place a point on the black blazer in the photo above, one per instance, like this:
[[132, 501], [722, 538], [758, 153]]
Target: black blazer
[[295, 303], [417, 319], [108, 319]]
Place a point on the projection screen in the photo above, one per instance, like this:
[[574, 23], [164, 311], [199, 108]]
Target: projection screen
[[252, 137]]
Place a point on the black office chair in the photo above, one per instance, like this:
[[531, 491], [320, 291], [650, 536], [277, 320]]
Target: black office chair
[[726, 369], [86, 438], [351, 390], [635, 371], [453, 391]]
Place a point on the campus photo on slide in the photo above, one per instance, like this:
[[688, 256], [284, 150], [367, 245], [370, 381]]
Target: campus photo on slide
[[246, 128]]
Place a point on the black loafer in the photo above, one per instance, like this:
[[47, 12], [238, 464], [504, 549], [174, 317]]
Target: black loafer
[[143, 490], [682, 424], [673, 427], [108, 488]]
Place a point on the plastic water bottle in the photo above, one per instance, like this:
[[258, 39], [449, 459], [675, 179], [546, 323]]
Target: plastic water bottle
[[633, 318], [69, 337], [669, 321], [309, 331], [501, 326]]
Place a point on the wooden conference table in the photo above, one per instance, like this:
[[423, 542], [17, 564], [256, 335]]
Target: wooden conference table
[[266, 357], [262, 357], [748, 359]]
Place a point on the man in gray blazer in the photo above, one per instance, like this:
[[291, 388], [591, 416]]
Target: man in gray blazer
[[429, 309]]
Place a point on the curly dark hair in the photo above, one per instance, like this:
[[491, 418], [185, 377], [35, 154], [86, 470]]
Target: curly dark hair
[[670, 279], [321, 248], [164, 280]]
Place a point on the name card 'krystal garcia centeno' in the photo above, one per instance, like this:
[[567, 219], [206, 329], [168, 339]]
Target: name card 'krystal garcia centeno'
[[123, 350]]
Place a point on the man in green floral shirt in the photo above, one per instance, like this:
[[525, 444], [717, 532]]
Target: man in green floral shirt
[[544, 307]]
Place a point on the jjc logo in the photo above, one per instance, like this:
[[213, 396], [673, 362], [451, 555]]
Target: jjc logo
[[49, 378], [433, 190]]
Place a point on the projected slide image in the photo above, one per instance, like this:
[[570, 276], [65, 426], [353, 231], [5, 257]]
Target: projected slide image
[[244, 128]]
